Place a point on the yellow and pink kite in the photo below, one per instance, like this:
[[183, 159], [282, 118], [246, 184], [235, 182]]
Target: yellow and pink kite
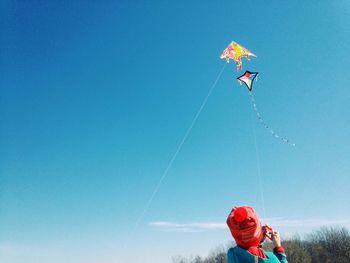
[[235, 52]]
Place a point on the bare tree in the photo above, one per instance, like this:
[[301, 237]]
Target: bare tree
[[329, 245]]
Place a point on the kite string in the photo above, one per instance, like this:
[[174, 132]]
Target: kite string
[[261, 120], [257, 156], [156, 189]]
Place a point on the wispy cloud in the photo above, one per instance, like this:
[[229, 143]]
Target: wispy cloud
[[305, 222], [284, 223], [187, 227]]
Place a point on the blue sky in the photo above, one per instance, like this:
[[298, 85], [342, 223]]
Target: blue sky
[[95, 99]]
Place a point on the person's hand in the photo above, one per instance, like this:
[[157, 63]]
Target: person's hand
[[267, 231], [276, 239]]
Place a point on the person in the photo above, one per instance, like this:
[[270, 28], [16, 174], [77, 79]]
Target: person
[[247, 231]]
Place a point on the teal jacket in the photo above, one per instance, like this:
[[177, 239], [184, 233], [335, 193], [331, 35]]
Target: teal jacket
[[240, 255]]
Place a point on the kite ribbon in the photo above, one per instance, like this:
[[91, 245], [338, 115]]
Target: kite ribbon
[[267, 127]]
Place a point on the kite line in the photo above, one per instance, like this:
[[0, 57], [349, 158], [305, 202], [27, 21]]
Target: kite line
[[236, 52], [267, 127], [165, 173], [257, 156]]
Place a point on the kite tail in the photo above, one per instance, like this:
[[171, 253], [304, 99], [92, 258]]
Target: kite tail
[[267, 127]]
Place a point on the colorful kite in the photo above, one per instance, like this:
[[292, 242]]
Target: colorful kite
[[248, 78], [235, 52]]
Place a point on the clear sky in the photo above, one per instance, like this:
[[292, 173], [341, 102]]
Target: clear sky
[[96, 97]]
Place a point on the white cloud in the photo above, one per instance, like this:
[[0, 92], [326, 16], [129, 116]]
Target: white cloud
[[284, 224], [187, 227], [305, 222]]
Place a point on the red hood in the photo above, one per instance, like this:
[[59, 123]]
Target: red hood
[[245, 226]]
